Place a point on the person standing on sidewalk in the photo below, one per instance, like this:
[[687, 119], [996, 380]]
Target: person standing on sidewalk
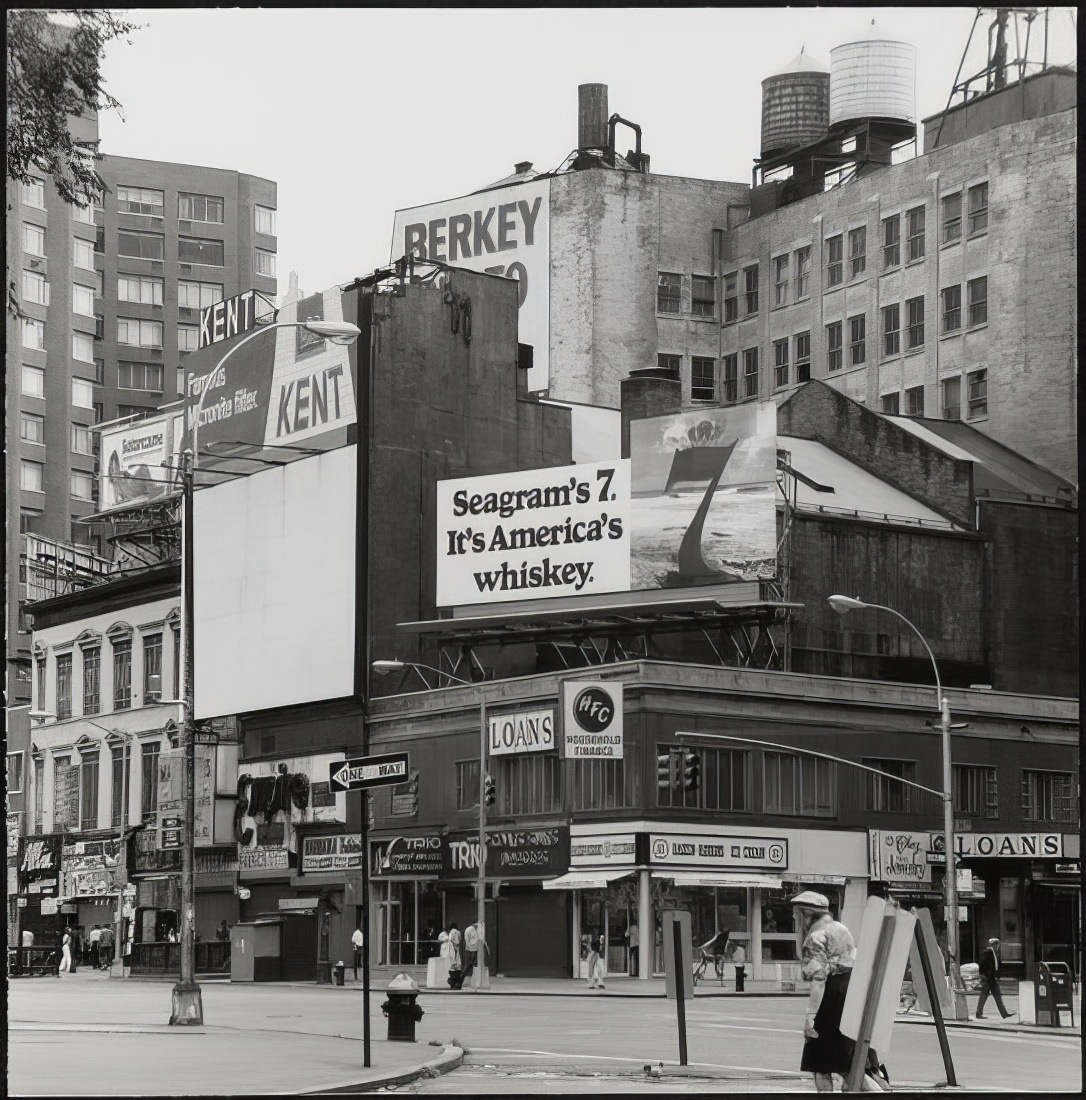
[[829, 954], [989, 974], [474, 944], [66, 952], [357, 943], [634, 941], [95, 940], [595, 964], [105, 948], [739, 961]]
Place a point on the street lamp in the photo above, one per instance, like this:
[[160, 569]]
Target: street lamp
[[187, 1003], [480, 871], [843, 605]]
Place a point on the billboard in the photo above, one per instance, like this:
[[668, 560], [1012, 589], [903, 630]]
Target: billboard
[[282, 387], [559, 531], [505, 231], [274, 586], [704, 497], [141, 462]]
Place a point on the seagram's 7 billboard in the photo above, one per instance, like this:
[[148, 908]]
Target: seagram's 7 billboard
[[560, 531], [694, 505]]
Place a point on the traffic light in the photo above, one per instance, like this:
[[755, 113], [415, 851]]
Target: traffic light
[[665, 771], [488, 790], [691, 771]]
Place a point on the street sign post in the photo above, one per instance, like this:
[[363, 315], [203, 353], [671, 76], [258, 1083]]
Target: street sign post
[[368, 771]]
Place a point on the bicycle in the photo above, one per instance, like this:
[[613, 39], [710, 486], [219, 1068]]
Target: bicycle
[[711, 952]]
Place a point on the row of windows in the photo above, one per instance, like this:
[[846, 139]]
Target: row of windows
[[82, 486], [122, 675], [791, 785], [976, 383], [791, 271], [32, 384], [75, 785], [32, 430]]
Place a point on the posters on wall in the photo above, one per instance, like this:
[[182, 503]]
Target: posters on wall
[[560, 531], [39, 864], [704, 497], [503, 231], [141, 462]]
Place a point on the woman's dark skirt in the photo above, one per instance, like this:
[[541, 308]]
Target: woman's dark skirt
[[831, 1052]]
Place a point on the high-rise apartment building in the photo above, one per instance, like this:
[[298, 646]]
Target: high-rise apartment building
[[103, 305]]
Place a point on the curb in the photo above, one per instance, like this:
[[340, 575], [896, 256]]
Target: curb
[[450, 1058]]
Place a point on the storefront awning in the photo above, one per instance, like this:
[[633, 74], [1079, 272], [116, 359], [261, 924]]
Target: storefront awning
[[583, 880], [723, 878]]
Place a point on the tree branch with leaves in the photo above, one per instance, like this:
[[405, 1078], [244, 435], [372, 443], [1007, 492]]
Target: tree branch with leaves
[[54, 77]]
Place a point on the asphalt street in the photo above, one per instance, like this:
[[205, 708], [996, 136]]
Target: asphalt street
[[87, 1034]]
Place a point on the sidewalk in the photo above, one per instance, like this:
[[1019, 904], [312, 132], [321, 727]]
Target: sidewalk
[[298, 1056]]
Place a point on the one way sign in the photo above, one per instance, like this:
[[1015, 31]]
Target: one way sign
[[368, 771]]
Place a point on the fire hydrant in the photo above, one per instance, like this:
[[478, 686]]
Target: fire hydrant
[[400, 1008]]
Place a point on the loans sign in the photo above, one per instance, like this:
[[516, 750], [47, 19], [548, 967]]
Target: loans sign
[[559, 531]]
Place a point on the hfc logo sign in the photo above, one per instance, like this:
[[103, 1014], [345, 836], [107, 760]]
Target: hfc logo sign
[[592, 719]]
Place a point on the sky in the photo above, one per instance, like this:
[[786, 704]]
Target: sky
[[356, 113]]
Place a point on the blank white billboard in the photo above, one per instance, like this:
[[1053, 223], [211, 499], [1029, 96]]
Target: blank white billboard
[[274, 587]]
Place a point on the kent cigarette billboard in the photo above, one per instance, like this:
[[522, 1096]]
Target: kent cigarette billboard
[[695, 504], [505, 231], [283, 387]]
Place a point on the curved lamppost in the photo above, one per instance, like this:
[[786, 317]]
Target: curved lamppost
[[843, 605], [480, 870], [187, 1003]]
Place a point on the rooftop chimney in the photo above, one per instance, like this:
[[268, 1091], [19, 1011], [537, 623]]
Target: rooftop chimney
[[522, 166], [592, 116]]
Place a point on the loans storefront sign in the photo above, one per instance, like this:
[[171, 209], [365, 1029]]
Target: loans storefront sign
[[559, 531], [592, 719], [520, 732], [505, 231]]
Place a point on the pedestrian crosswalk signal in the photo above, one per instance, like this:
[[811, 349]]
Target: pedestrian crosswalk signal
[[691, 771], [488, 789], [665, 771]]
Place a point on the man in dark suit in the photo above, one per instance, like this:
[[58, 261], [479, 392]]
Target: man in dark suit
[[989, 974]]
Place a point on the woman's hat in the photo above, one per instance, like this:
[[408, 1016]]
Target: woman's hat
[[811, 900]]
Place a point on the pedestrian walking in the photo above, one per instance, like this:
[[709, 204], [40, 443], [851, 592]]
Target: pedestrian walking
[[66, 952], [739, 961], [474, 944], [989, 980], [76, 946], [95, 940], [451, 950], [595, 965], [829, 953], [633, 938], [105, 947], [358, 941]]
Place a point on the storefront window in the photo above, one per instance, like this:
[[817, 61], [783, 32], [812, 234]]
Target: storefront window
[[1010, 919]]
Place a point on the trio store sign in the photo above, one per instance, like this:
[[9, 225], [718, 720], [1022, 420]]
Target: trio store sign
[[510, 853]]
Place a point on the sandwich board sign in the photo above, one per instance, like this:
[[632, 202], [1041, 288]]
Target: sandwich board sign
[[368, 771]]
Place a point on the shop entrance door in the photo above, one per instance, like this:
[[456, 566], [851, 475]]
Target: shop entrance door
[[389, 932], [299, 948]]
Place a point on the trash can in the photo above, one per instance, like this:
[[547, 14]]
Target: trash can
[[337, 973], [400, 1008]]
